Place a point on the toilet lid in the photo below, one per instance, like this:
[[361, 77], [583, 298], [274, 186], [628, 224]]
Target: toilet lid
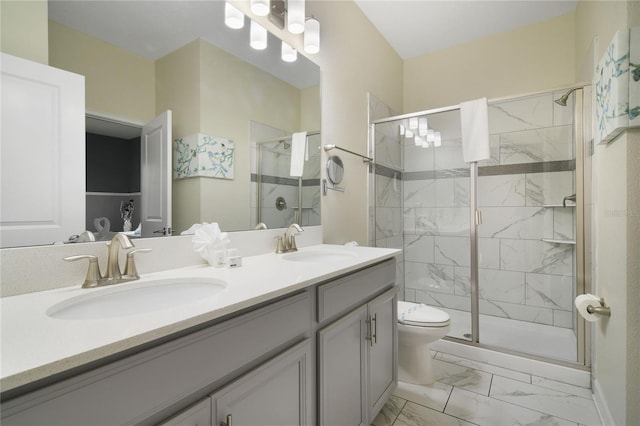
[[418, 314]]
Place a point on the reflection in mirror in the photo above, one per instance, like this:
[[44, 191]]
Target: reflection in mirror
[[141, 58], [335, 169], [279, 198]]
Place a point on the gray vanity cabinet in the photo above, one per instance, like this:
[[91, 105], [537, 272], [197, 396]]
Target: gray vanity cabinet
[[196, 415], [277, 393], [325, 355], [357, 353]]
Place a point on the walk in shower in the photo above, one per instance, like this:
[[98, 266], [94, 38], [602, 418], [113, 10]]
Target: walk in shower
[[497, 244], [278, 199]]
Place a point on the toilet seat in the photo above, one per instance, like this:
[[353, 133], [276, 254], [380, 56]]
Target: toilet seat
[[420, 315]]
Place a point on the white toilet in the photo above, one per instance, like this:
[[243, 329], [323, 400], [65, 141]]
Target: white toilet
[[418, 325]]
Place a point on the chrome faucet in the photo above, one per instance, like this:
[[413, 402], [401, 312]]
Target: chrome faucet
[[290, 237], [113, 265]]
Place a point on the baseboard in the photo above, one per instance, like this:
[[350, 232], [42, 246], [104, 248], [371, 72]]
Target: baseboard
[[601, 404]]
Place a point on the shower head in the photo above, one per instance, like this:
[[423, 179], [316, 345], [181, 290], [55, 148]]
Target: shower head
[[285, 143], [562, 100]]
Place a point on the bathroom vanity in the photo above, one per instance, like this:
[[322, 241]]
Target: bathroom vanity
[[305, 339]]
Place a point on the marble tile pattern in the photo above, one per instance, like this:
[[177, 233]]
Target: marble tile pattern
[[468, 392], [521, 277]]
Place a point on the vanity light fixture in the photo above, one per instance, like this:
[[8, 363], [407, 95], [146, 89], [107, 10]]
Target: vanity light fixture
[[312, 35], [260, 7], [233, 18], [295, 16], [258, 36], [289, 54]]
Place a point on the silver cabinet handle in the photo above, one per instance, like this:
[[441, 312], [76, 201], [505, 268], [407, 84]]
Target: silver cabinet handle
[[372, 329], [374, 335]]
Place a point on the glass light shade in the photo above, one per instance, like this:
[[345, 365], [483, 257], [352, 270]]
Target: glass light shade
[[258, 36], [260, 7], [431, 135], [425, 144], [295, 16], [418, 141], [233, 18], [312, 36], [438, 140], [413, 123], [408, 134], [422, 126], [289, 54], [401, 130]]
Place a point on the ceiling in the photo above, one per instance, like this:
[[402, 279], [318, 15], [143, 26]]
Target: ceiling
[[417, 27], [154, 28], [412, 27]]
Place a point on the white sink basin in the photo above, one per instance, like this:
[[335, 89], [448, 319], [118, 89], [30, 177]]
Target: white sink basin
[[136, 298], [318, 256]]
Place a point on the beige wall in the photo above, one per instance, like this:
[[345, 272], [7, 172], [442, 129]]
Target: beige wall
[[23, 29], [354, 59], [119, 83], [533, 58], [616, 229]]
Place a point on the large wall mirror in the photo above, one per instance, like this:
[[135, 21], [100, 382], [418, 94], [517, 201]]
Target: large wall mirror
[[140, 58]]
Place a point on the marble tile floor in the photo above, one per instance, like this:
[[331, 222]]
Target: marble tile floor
[[468, 392]]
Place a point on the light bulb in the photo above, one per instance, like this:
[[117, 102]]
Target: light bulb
[[431, 135], [312, 36], [260, 7], [233, 18], [438, 140], [258, 36], [295, 16], [289, 54], [422, 126]]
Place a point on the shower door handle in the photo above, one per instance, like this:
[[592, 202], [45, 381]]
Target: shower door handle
[[478, 217]]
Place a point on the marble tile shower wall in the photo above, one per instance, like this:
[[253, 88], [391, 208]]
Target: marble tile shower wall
[[385, 215], [532, 165]]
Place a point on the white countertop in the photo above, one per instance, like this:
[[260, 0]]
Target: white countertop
[[35, 346]]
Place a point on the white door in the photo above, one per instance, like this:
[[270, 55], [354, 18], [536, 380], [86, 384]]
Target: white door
[[42, 154], [155, 176]]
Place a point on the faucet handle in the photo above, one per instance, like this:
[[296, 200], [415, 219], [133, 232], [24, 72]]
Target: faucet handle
[[130, 270], [93, 273], [280, 247]]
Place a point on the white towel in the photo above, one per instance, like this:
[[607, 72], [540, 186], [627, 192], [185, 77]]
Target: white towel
[[474, 121], [298, 144]]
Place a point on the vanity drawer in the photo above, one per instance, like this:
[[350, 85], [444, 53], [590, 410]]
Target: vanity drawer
[[139, 387], [337, 297]]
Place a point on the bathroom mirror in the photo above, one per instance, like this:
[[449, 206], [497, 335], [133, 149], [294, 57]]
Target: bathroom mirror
[[148, 32], [335, 169]]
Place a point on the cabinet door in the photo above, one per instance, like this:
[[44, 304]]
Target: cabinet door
[[196, 415], [276, 393], [341, 360], [382, 374]]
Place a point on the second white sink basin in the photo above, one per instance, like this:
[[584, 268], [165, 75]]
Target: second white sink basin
[[136, 298], [319, 256]]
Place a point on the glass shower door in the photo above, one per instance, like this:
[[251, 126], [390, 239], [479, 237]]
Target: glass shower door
[[527, 239], [433, 213]]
